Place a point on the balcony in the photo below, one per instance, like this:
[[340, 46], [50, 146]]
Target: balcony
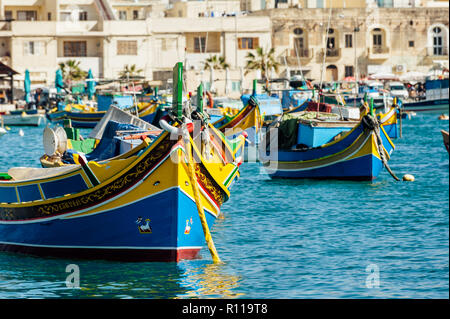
[[378, 53], [304, 54], [333, 54]]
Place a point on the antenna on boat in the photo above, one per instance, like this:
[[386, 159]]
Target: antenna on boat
[[177, 94]]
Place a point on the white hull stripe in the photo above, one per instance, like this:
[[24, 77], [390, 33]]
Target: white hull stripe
[[100, 247]]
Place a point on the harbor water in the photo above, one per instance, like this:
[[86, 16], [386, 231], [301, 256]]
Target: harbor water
[[281, 238]]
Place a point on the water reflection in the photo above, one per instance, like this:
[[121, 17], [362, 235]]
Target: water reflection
[[23, 276], [203, 279]]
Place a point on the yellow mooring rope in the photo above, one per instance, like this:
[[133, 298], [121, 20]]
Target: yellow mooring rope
[[201, 212]]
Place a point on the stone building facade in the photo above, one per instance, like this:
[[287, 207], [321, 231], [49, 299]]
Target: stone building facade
[[332, 44]]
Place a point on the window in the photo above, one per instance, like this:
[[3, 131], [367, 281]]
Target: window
[[75, 48], [348, 70], [300, 48], [8, 15], [33, 47], [83, 16], [377, 40], [438, 46], [299, 44], [127, 47], [26, 15], [122, 15], [248, 43], [411, 44], [135, 14], [298, 31], [199, 44], [49, 16], [349, 41], [331, 43]]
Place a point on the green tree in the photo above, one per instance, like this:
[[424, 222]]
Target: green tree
[[130, 71], [212, 63], [263, 61], [71, 71]]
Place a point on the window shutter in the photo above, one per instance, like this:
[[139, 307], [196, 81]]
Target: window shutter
[[255, 43]]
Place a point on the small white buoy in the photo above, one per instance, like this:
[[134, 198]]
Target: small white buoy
[[21, 133], [408, 178]]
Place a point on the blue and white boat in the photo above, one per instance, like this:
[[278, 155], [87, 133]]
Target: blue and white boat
[[436, 98]]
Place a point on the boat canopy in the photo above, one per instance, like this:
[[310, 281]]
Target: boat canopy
[[268, 105]]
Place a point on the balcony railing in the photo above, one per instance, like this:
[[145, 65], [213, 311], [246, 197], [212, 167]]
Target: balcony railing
[[302, 53], [380, 50], [334, 52]]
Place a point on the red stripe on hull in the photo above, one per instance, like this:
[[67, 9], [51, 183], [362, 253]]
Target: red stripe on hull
[[164, 255]]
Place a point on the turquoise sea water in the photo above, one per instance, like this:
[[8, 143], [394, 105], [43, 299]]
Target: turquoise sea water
[[282, 239]]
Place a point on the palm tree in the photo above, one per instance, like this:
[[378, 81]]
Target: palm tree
[[71, 71], [212, 63], [129, 71], [263, 61]]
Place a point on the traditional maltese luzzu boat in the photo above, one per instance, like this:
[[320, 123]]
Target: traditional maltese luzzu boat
[[326, 149], [142, 205]]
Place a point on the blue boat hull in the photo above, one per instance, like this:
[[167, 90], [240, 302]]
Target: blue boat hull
[[114, 234], [353, 157]]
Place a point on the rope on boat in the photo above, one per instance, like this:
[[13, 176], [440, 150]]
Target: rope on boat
[[201, 212], [374, 125]]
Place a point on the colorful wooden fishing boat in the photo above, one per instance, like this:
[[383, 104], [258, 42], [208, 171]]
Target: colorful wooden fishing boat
[[248, 119], [81, 116], [389, 121], [153, 205], [297, 149]]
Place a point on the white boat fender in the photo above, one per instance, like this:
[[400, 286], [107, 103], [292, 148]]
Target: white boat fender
[[408, 178]]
